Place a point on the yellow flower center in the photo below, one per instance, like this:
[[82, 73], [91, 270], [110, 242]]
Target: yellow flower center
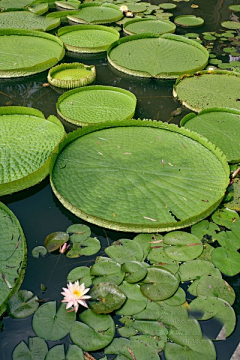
[[77, 293]]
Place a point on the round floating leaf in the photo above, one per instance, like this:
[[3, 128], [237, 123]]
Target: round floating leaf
[[159, 284], [22, 304], [229, 240], [54, 240], [135, 302], [201, 90], [12, 255], [157, 343], [144, 25], [221, 126], [178, 298], [215, 286], [235, 8], [225, 217], [127, 331], [206, 308], [191, 348], [182, 246], [43, 50], [188, 20], [71, 75], [135, 271], [50, 324], [95, 104], [184, 329], [26, 154], [171, 55], [233, 25], [193, 269], [195, 171], [167, 6], [87, 38], [37, 350], [56, 353], [39, 250], [107, 271], [26, 20], [82, 231], [151, 312], [87, 247], [205, 231], [105, 298], [160, 259], [75, 353], [136, 8], [153, 328], [94, 332], [172, 315], [81, 274], [96, 14], [124, 250], [227, 261]]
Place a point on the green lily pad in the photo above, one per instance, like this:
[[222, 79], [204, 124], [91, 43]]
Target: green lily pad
[[153, 328], [107, 271], [215, 286], [159, 284], [231, 25], [39, 9], [26, 155], [22, 304], [182, 330], [67, 5], [160, 259], [144, 240], [95, 104], [135, 271], [26, 20], [205, 231], [206, 254], [151, 312], [194, 269], [225, 217], [81, 274], [15, 4], [235, 8], [188, 89], [87, 38], [178, 298], [188, 20], [171, 55], [167, 6], [145, 25], [220, 126], [57, 353], [172, 315], [135, 301], [39, 250], [209, 307], [227, 261], [55, 240], [12, 256], [52, 324], [99, 179], [91, 13], [124, 250], [86, 247], [37, 350], [156, 342], [106, 297], [71, 75], [94, 332], [182, 246], [229, 240], [82, 231], [234, 204], [44, 51], [127, 331]]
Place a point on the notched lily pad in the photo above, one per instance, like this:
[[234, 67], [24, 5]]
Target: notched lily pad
[[227, 261], [37, 349], [135, 271], [22, 304], [225, 217], [107, 271], [81, 274], [135, 301], [39, 250], [55, 240]]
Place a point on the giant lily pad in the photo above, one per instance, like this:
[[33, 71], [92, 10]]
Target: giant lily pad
[[144, 25], [171, 55], [15, 4], [176, 177], [27, 20], [94, 332], [220, 126], [88, 38], [27, 52], [209, 89], [25, 154], [12, 256], [93, 104], [96, 14]]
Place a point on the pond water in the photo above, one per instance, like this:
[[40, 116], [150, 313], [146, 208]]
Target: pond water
[[40, 213]]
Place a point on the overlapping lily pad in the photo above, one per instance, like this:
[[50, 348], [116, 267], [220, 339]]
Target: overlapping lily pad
[[25, 155], [171, 55], [145, 25], [93, 13], [12, 255], [209, 89], [27, 52], [99, 164], [96, 104], [88, 38], [221, 126]]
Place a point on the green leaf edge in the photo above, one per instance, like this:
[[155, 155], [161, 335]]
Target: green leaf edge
[[22, 269], [40, 174], [147, 19], [131, 227]]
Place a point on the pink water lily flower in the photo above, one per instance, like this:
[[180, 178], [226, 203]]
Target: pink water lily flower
[[75, 295]]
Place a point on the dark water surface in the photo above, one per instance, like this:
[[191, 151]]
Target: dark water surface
[[40, 213]]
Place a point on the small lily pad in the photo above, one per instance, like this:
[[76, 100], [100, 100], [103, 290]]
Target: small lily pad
[[188, 20], [214, 286], [135, 302], [194, 269], [39, 250], [54, 240], [37, 350], [124, 250], [229, 240], [144, 240], [231, 25], [160, 259], [227, 261], [106, 297], [82, 231], [86, 247], [178, 298], [225, 217], [81, 274], [151, 312], [22, 304], [107, 271], [135, 271], [206, 231]]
